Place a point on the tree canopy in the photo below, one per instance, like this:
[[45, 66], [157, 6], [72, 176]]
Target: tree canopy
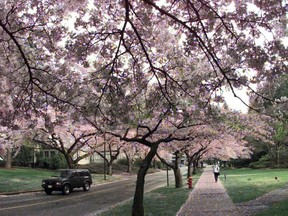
[[143, 71]]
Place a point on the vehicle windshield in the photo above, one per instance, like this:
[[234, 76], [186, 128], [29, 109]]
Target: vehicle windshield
[[64, 173], [61, 173]]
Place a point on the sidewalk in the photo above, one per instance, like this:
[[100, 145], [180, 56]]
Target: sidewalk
[[208, 198]]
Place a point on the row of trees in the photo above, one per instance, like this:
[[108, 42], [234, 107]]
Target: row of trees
[[146, 72]]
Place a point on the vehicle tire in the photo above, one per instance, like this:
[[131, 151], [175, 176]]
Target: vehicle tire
[[48, 191], [66, 189], [86, 186]]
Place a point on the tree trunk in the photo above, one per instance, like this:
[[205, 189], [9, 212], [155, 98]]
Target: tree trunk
[[178, 177], [69, 161], [177, 171], [278, 154], [8, 163], [189, 171], [109, 169], [194, 167], [129, 163], [138, 207], [129, 167]]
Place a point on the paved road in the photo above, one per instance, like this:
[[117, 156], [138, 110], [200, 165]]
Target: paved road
[[97, 199]]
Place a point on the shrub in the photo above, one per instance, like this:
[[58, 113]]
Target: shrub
[[264, 162], [240, 162], [2, 163], [24, 157], [57, 161], [156, 164], [138, 162], [96, 168], [122, 161]]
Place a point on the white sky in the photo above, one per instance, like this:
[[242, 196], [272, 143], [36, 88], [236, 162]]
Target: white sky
[[235, 103]]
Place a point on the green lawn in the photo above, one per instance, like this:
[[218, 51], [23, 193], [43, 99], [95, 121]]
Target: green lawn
[[162, 201], [278, 209], [243, 185], [23, 179], [165, 201]]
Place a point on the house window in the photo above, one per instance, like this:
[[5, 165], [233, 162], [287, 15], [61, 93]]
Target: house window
[[52, 153], [46, 154]]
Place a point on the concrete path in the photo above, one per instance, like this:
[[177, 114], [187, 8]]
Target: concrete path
[[208, 198]]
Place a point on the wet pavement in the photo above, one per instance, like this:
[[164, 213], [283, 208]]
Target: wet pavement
[[208, 198]]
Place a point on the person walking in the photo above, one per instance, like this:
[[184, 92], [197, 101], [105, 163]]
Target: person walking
[[216, 171]]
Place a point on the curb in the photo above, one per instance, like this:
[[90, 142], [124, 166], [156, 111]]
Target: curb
[[19, 192]]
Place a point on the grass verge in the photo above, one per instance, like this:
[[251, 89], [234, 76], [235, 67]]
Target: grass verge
[[162, 201], [279, 209], [243, 185], [27, 179], [165, 201]]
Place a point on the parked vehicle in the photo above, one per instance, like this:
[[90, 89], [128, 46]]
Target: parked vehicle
[[68, 179]]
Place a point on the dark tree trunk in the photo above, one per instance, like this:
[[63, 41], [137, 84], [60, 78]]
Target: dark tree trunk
[[189, 171], [138, 207], [177, 171], [194, 167], [69, 161], [129, 167], [178, 177], [129, 163], [109, 169], [154, 163], [110, 163], [8, 163]]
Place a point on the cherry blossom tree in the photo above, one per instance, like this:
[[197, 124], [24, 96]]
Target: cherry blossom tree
[[134, 64], [79, 142], [15, 124], [193, 154], [59, 131], [175, 167], [112, 146], [132, 151]]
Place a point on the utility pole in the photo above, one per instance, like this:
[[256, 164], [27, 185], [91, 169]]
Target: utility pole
[[104, 156]]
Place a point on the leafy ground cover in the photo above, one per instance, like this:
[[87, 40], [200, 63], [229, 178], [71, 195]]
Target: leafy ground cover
[[243, 185]]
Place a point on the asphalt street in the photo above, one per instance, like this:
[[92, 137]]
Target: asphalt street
[[96, 200]]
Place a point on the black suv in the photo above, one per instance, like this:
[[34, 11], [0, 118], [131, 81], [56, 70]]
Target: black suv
[[67, 179]]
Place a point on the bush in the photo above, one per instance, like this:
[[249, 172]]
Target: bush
[[24, 157], [138, 162], [156, 164], [57, 161], [123, 161], [2, 163], [96, 168], [240, 162], [264, 162], [117, 168]]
